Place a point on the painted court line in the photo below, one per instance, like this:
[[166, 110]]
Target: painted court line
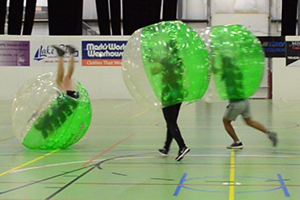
[[6, 139], [180, 184], [110, 148], [28, 163], [141, 113], [283, 186], [232, 184]]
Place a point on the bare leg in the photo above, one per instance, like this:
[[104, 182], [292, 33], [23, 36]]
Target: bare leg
[[60, 71], [68, 77], [255, 124], [230, 130], [71, 67]]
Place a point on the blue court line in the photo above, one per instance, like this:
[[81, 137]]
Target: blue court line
[[283, 186], [184, 179], [180, 185]]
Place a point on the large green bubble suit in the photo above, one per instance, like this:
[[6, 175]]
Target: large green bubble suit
[[237, 60], [174, 59], [46, 118], [176, 62]]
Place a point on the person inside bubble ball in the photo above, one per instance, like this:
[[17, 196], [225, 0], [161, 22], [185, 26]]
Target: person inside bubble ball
[[171, 68], [232, 77], [62, 107]]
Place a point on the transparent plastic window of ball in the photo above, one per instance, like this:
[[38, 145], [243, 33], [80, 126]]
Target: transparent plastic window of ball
[[237, 60], [164, 64], [44, 117]]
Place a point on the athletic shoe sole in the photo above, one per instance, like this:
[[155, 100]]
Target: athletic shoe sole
[[238, 147]]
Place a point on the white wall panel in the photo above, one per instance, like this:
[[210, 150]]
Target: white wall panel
[[276, 9], [9, 82], [257, 23], [240, 6], [194, 9], [221, 6], [263, 6], [286, 81], [245, 6]]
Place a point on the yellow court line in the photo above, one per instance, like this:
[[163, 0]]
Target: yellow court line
[[143, 112], [25, 164], [232, 181]]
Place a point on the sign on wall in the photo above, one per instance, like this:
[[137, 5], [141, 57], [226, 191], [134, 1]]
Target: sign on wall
[[273, 46], [102, 53], [292, 51], [14, 53], [43, 54]]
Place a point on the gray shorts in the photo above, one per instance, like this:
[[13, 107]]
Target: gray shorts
[[234, 109]]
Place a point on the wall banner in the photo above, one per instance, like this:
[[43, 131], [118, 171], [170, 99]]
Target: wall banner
[[292, 51], [102, 53], [273, 46], [14, 53]]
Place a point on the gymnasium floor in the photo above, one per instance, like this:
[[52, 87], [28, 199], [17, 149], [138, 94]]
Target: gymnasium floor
[[118, 159]]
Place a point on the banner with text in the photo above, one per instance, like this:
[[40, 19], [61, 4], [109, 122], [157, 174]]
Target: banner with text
[[102, 53], [14, 53]]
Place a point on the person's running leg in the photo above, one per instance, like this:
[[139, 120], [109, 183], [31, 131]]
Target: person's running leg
[[257, 125], [171, 114]]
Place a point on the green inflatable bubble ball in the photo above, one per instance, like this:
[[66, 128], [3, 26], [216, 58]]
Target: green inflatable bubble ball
[[166, 63], [44, 117], [237, 60]]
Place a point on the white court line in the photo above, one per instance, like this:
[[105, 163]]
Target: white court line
[[52, 165], [151, 156]]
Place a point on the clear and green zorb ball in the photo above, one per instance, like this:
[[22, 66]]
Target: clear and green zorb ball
[[166, 63], [44, 117], [237, 61]]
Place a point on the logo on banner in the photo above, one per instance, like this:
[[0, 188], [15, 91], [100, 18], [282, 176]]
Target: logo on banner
[[102, 53], [48, 53], [43, 52]]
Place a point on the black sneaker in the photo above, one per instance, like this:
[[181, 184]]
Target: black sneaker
[[273, 137], [235, 145], [163, 152], [71, 49], [182, 152], [60, 51]]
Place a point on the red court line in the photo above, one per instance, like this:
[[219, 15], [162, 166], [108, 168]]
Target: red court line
[[7, 139], [156, 184], [191, 184], [107, 150]]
